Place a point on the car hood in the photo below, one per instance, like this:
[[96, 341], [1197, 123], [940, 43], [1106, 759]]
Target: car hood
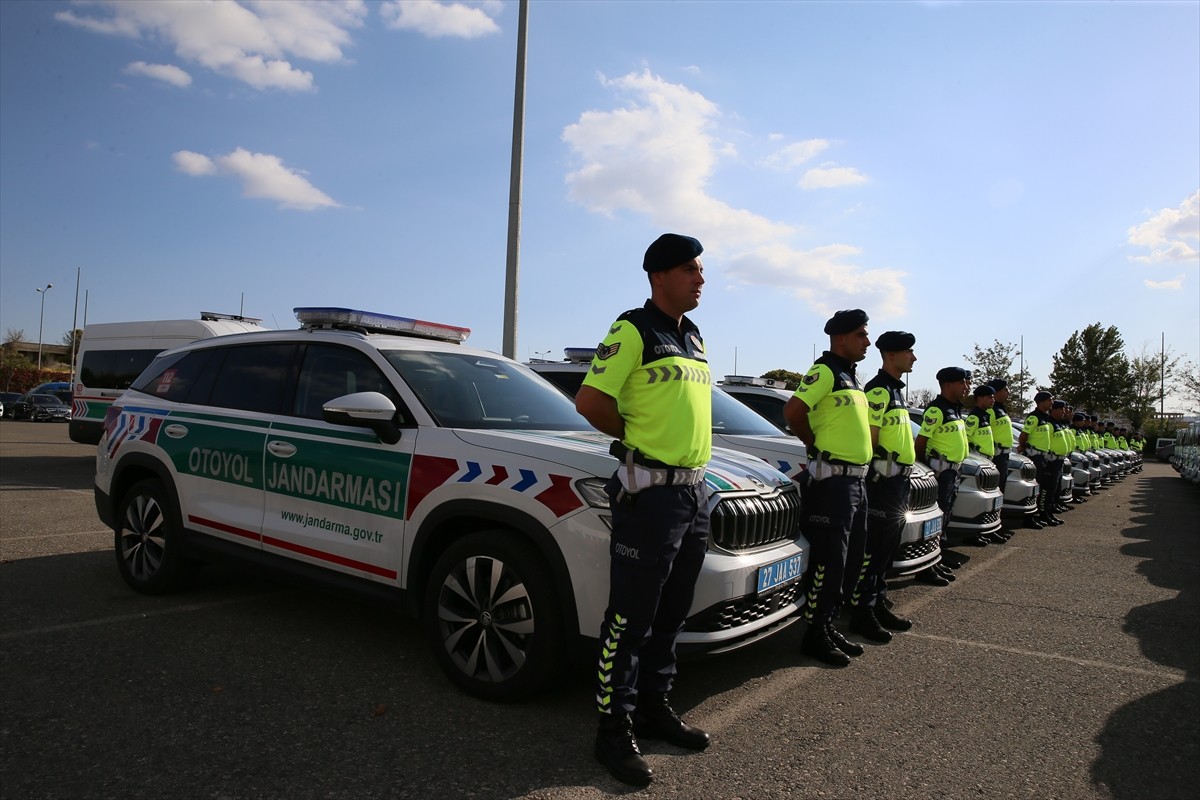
[[587, 452], [786, 453]]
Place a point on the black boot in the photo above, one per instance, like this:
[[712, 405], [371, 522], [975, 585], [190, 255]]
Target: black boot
[[885, 617], [945, 572], [1032, 521], [655, 719], [867, 626], [816, 645], [933, 577], [848, 647], [617, 749]]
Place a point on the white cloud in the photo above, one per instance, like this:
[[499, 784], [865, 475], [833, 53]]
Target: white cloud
[[250, 41], [795, 154], [831, 178], [822, 277], [1175, 284], [655, 156], [1171, 234], [191, 163], [262, 175], [167, 73], [436, 19]]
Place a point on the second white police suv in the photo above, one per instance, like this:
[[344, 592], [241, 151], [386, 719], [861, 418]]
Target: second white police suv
[[380, 453]]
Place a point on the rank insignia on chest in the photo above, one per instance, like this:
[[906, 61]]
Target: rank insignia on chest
[[697, 345]]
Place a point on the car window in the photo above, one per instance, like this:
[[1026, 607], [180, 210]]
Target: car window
[[329, 371], [730, 416], [253, 377], [174, 377], [769, 407], [114, 369], [461, 390], [569, 382]]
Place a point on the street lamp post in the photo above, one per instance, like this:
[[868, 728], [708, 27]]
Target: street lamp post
[[41, 317]]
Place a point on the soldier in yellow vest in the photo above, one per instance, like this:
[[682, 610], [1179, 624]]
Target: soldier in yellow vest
[[1035, 444], [981, 439], [942, 445], [829, 414], [659, 502]]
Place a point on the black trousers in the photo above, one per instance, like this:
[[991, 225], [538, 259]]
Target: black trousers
[[834, 516], [866, 567], [947, 480], [657, 548], [1049, 473], [1001, 462]]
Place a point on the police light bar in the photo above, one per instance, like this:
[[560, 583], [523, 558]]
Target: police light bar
[[748, 380], [315, 318], [579, 355]]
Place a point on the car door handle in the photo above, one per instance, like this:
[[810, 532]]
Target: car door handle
[[176, 431], [281, 449]]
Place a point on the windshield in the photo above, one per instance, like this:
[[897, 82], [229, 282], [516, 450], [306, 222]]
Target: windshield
[[462, 390], [732, 417]]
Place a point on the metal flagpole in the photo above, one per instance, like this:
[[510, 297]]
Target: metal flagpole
[[514, 192]]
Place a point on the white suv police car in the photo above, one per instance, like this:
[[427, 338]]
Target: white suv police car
[[380, 453], [738, 427]]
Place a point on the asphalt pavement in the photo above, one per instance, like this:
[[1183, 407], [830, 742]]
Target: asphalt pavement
[[1063, 664]]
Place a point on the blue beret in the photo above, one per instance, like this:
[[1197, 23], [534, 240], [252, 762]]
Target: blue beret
[[952, 374], [984, 390], [846, 321], [1059, 404], [998, 383], [670, 250], [895, 341], [1079, 417], [1040, 396]]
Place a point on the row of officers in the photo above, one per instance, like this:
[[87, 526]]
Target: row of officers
[[854, 493], [862, 451]]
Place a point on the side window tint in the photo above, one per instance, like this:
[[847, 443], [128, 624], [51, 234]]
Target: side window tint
[[253, 378], [329, 371], [176, 377]]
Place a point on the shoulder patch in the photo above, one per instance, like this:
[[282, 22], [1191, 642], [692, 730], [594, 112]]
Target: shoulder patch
[[604, 351], [810, 379], [878, 406]]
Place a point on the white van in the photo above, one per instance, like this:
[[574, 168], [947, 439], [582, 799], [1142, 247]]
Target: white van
[[113, 354]]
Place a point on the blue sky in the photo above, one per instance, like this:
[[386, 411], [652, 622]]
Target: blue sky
[[966, 171]]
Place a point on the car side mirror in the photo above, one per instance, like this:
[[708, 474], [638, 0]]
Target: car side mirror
[[365, 410]]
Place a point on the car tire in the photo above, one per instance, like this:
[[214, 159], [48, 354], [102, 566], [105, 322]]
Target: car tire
[[491, 616], [148, 540]]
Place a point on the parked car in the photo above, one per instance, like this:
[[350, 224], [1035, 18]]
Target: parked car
[[739, 427], [381, 454], [7, 400], [60, 389], [41, 408]]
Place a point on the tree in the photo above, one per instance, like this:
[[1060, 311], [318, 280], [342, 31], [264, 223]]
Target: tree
[[997, 362], [1091, 370], [1151, 376], [74, 337], [1189, 386], [792, 378], [13, 335], [921, 398]]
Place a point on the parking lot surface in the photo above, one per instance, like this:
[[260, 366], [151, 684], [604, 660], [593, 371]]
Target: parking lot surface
[[1063, 664]]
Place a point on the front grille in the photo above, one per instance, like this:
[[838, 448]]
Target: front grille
[[988, 477], [917, 550], [924, 492], [744, 523], [742, 610], [1029, 501]]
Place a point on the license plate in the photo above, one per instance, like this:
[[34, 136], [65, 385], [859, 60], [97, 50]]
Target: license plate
[[931, 528], [998, 503], [781, 572]]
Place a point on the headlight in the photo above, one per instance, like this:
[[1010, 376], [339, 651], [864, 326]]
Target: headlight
[[969, 467], [592, 490]]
